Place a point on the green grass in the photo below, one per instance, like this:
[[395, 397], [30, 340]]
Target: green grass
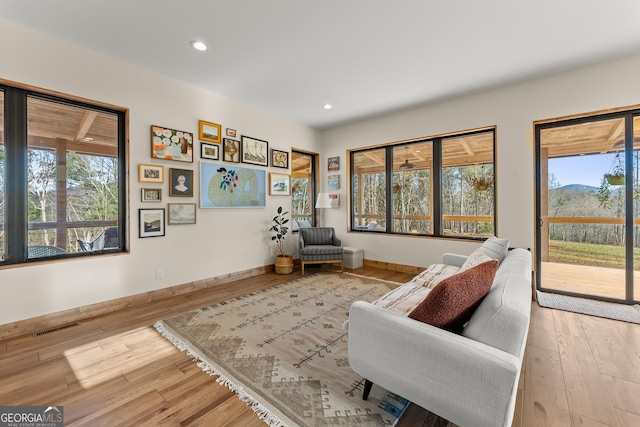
[[590, 254]]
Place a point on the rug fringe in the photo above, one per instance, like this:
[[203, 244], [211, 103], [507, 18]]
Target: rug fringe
[[263, 412]]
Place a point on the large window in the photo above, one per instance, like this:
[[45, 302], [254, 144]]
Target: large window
[[62, 177], [438, 186]]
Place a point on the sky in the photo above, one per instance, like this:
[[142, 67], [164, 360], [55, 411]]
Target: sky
[[586, 170]]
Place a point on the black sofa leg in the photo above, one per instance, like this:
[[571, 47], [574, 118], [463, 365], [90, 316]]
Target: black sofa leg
[[367, 388]]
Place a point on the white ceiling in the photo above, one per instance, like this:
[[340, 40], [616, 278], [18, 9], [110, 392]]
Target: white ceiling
[[365, 57]]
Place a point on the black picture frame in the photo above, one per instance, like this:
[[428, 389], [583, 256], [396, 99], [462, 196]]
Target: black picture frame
[[255, 151], [180, 182]]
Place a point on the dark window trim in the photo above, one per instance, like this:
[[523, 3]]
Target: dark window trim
[[436, 205], [16, 139]]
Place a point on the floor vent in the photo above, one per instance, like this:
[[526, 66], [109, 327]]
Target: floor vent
[[57, 328]]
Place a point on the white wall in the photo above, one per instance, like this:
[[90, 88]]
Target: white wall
[[513, 109], [223, 240]]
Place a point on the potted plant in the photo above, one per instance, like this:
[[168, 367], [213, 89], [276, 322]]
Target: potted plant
[[482, 183], [284, 262], [616, 176]]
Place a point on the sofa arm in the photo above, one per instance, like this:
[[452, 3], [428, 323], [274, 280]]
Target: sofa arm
[[301, 240], [453, 259], [336, 241], [463, 381]]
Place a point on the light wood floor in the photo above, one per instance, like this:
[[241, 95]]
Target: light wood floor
[[117, 370]]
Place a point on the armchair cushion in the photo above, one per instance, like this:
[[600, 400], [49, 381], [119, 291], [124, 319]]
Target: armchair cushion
[[452, 302]]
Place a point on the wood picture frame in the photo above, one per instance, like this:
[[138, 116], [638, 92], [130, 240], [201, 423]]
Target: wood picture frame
[[333, 164], [151, 195], [151, 222], [209, 151], [180, 182], [181, 213], [231, 150], [255, 151], [209, 131], [279, 184], [279, 159], [171, 144], [150, 173]]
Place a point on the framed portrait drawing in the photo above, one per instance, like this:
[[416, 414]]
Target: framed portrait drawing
[[231, 150], [151, 222], [151, 173], [181, 182], [280, 159], [151, 195], [279, 184], [210, 132], [171, 144], [255, 151], [333, 164], [209, 151], [182, 213]]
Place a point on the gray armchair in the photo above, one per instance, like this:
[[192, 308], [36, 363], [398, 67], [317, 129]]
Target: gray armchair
[[320, 245]]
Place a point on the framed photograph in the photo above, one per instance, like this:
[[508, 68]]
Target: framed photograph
[[209, 151], [151, 195], [210, 132], [151, 173], [255, 151], [171, 144], [151, 222], [334, 164], [333, 182], [229, 186], [280, 159], [181, 182], [279, 184], [182, 213], [231, 150], [231, 133]]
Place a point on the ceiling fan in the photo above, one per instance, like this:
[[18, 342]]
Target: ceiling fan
[[406, 164]]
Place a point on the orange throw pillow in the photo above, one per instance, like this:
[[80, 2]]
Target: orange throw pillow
[[452, 302]]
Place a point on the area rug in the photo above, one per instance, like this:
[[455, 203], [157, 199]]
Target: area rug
[[627, 313], [284, 351]]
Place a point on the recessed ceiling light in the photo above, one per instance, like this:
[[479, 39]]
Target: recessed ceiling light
[[198, 45], [327, 106]]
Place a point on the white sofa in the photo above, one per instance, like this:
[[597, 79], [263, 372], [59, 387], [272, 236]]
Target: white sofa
[[470, 379]]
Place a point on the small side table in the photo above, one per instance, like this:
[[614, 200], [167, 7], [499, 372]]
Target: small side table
[[353, 257]]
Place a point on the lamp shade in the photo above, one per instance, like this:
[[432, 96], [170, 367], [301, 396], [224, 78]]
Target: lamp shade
[[323, 201]]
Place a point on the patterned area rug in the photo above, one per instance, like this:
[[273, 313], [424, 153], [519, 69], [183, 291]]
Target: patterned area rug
[[284, 351], [627, 313]]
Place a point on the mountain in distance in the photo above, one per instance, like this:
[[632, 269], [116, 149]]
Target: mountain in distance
[[578, 188]]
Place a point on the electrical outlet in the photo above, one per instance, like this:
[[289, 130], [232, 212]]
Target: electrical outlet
[[160, 274]]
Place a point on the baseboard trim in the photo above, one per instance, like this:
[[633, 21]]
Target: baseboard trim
[[48, 321], [402, 268]]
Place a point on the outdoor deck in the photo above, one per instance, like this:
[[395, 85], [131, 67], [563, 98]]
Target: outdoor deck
[[598, 281]]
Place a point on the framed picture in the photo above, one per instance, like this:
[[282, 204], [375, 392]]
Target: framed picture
[[231, 150], [279, 184], [334, 164], [231, 133], [255, 151], [280, 159], [151, 222], [151, 173], [335, 200], [181, 182], [209, 151], [182, 213], [171, 144], [228, 186], [333, 182], [210, 132], [151, 195]]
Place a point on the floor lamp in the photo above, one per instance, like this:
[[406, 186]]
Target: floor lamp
[[323, 202]]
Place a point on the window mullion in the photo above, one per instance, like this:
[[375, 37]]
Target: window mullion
[[436, 182], [16, 173]]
